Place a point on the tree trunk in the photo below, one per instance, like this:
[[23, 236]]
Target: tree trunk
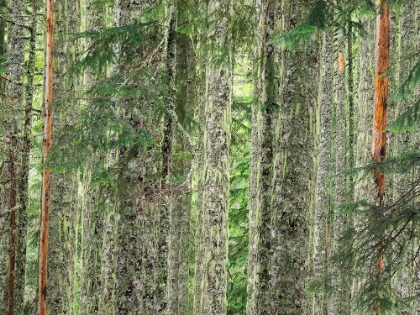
[[211, 278], [263, 121], [178, 247], [380, 110], [200, 99], [23, 179], [142, 210], [45, 198], [92, 282], [323, 214], [294, 178], [64, 185], [343, 147], [14, 124]]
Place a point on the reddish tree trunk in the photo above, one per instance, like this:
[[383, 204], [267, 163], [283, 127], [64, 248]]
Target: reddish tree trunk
[[45, 203], [380, 107]]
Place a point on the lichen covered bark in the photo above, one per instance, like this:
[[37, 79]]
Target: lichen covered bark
[[404, 37], [179, 233], [64, 186], [93, 214], [142, 208], [282, 199], [201, 101], [263, 122], [14, 155], [260, 83], [215, 168], [93, 206], [323, 213], [294, 178]]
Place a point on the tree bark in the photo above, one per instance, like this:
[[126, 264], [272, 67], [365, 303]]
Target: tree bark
[[261, 191], [294, 180], [180, 208], [380, 109], [15, 154], [93, 204], [45, 199], [323, 214], [211, 279], [64, 184]]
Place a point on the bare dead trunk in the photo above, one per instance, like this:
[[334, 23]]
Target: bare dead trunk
[[45, 201], [380, 108]]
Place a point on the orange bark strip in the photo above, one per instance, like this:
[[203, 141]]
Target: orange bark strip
[[45, 203], [380, 108], [340, 61], [381, 85]]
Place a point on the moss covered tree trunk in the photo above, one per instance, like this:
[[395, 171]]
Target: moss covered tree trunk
[[94, 211], [211, 280], [4, 222], [64, 186], [263, 122], [323, 216], [294, 177], [15, 156], [343, 129], [142, 212], [283, 180], [14, 100], [179, 227], [200, 112]]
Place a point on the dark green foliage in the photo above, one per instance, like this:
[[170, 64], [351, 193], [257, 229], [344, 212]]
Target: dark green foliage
[[326, 15], [302, 33], [408, 121], [102, 54], [389, 231], [406, 90]]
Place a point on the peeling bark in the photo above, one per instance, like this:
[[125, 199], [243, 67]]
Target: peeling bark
[[380, 109]]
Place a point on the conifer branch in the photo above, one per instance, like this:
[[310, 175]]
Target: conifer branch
[[7, 79], [29, 28]]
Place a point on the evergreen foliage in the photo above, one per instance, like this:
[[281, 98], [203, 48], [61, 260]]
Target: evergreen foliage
[[133, 85], [323, 17]]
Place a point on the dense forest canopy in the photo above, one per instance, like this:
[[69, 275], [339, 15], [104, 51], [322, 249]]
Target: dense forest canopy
[[209, 157]]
